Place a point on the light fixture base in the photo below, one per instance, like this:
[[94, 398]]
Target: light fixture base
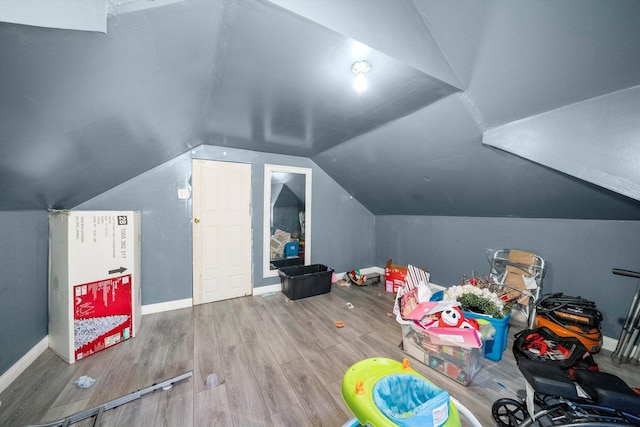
[[361, 67]]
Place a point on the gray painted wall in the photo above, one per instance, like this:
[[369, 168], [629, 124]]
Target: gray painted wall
[[343, 237], [166, 220], [165, 227], [23, 286], [580, 254]]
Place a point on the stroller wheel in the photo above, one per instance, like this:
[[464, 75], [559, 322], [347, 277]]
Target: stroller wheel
[[508, 412]]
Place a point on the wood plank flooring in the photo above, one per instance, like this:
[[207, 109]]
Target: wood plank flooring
[[280, 363]]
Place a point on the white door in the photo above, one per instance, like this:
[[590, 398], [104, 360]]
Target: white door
[[221, 230]]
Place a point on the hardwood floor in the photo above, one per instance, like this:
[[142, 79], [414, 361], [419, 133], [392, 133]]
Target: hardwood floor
[[280, 363]]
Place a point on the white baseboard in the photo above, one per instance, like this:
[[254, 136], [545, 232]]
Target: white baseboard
[[166, 306], [19, 367], [267, 289], [609, 343], [371, 270]]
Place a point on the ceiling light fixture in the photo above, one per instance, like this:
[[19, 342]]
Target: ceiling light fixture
[[360, 68]]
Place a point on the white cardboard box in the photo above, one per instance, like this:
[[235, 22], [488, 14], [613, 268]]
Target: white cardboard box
[[94, 280]]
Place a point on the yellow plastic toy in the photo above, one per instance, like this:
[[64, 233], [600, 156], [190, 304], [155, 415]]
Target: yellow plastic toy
[[384, 392]]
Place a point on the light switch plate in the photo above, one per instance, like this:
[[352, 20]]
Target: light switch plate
[[183, 193]]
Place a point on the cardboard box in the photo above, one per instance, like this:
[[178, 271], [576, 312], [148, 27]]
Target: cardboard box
[[278, 242], [394, 276], [458, 363], [94, 280]]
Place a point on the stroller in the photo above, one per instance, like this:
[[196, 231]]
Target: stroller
[[566, 392]]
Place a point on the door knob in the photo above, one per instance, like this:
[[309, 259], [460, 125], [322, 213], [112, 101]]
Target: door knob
[[196, 220]]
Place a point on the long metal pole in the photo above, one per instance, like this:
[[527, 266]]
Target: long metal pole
[[635, 360], [98, 410], [633, 337], [630, 330]]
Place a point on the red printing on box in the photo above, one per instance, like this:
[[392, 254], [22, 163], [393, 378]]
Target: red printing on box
[[102, 314], [394, 277]]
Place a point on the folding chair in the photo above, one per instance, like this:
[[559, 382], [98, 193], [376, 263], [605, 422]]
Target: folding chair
[[518, 275]]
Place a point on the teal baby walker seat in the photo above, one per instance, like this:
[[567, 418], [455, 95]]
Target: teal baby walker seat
[[383, 392]]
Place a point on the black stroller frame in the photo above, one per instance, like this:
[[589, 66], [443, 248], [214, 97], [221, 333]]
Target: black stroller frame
[[594, 399]]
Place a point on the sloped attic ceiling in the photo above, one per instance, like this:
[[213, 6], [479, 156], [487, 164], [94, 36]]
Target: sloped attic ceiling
[[81, 112]]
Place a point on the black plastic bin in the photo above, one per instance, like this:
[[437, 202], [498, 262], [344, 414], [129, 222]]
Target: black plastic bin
[[305, 281], [287, 262]]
